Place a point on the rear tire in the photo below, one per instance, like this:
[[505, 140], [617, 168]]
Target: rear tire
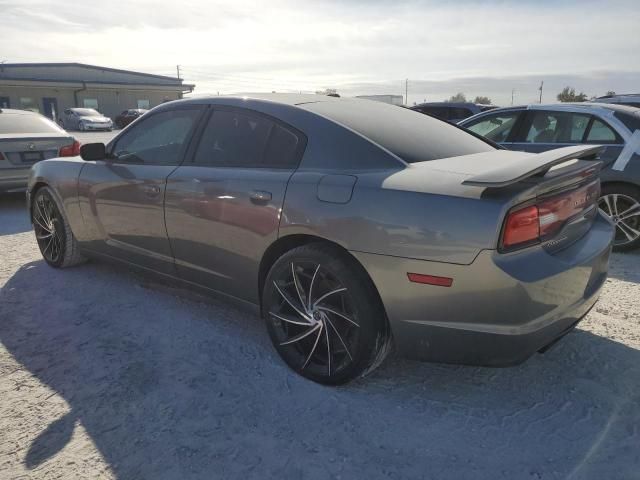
[[323, 315], [621, 203], [56, 241]]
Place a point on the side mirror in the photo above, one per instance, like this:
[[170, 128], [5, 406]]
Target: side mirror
[[93, 151]]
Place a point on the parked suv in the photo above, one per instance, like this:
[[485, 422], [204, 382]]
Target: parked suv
[[537, 128], [629, 99], [451, 112]]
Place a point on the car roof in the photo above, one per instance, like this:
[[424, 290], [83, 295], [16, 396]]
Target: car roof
[[14, 111], [450, 104]]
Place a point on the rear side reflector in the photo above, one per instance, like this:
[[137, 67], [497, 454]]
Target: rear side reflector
[[72, 150], [430, 279]]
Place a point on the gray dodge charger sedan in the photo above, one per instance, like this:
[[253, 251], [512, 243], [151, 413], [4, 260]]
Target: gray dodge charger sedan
[[351, 226]]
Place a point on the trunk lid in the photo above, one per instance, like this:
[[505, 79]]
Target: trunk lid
[[23, 150]]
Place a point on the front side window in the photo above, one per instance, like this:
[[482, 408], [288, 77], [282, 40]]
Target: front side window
[[496, 127], [600, 132], [557, 127], [242, 140], [157, 140]]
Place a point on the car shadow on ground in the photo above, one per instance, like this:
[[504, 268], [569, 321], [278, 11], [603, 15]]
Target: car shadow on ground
[[13, 214], [169, 387]]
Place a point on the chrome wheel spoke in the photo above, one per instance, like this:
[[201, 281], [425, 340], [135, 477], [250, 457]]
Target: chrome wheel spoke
[[344, 345], [315, 345], [328, 294], [42, 237], [313, 280], [298, 288], [607, 203], [289, 320], [632, 211], [299, 337], [629, 232], [326, 334], [341, 315], [288, 300], [614, 202]]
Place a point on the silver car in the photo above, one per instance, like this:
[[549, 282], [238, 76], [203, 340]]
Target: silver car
[[26, 138], [83, 119], [539, 128], [351, 226]]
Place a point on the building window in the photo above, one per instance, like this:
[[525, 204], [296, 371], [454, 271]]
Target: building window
[[27, 103], [143, 104], [90, 103]]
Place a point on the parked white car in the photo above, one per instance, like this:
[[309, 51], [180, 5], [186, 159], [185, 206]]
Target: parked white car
[[85, 119]]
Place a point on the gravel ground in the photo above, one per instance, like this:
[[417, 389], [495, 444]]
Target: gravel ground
[[106, 374]]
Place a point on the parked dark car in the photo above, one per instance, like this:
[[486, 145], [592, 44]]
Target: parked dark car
[[451, 112], [352, 226], [538, 128], [128, 116], [629, 99], [26, 138]]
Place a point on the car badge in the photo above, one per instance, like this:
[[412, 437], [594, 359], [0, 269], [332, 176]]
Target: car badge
[[32, 146]]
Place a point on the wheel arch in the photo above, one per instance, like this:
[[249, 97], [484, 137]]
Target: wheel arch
[[622, 183]]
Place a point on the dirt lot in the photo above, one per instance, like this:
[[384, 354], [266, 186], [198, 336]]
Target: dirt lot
[[104, 374]]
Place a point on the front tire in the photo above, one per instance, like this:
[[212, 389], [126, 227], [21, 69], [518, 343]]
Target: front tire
[[58, 246], [621, 203], [324, 316]]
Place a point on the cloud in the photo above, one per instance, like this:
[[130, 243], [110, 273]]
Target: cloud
[[483, 46]]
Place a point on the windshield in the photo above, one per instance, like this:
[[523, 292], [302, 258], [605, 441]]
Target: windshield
[[87, 112], [26, 123]]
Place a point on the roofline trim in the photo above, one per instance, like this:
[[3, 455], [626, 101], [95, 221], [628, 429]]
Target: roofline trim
[[86, 65], [183, 86]]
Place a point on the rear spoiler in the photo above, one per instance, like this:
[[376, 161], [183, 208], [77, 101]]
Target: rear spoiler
[[519, 169]]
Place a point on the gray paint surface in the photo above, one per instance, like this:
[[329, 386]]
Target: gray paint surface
[[201, 225]]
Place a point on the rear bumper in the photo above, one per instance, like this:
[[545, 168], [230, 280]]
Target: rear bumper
[[13, 179], [500, 309]]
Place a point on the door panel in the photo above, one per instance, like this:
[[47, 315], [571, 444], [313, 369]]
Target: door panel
[[124, 210], [220, 222], [122, 197]]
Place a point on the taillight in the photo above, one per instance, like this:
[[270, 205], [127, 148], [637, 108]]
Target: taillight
[[525, 226], [521, 228], [72, 150]]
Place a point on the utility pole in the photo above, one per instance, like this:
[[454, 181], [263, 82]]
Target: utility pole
[[406, 92], [178, 71], [513, 90], [541, 85]]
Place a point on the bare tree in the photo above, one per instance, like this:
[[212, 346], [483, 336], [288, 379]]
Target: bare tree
[[611, 93]]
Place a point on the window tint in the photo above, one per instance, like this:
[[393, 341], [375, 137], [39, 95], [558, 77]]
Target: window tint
[[557, 127], [458, 113], [237, 139], [495, 127], [602, 133], [438, 112], [158, 139]]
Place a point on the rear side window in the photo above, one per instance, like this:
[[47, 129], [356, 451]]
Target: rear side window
[[439, 112], [495, 127], [557, 127], [20, 123], [242, 140], [600, 132]]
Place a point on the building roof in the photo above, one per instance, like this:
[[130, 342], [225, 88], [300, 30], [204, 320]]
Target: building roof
[[72, 72]]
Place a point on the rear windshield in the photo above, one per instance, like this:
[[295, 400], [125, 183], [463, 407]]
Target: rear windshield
[[632, 122], [26, 123], [410, 135]]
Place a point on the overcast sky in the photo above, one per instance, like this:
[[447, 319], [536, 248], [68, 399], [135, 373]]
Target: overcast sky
[[356, 46]]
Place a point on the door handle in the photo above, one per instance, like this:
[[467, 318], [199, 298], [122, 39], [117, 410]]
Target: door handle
[[260, 196], [151, 190]]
